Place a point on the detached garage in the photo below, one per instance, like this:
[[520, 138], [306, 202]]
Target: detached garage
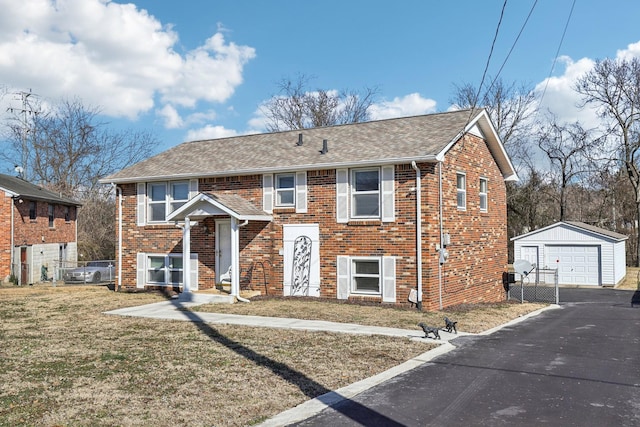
[[582, 253]]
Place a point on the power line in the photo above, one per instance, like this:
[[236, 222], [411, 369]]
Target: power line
[[25, 111], [555, 59]]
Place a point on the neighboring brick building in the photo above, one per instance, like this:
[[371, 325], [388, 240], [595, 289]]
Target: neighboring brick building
[[38, 229], [330, 212]]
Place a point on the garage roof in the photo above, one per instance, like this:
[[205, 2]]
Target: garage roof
[[581, 226]]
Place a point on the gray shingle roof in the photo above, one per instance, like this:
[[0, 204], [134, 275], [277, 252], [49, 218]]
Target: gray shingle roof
[[30, 191], [384, 141], [598, 230]]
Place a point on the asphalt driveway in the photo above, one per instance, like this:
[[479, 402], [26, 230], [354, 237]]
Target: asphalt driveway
[[574, 366]]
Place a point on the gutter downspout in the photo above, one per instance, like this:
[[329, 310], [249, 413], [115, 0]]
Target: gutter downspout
[[12, 255], [441, 233], [119, 199], [418, 232]]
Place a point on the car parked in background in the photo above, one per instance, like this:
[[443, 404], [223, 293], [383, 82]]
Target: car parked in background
[[93, 272]]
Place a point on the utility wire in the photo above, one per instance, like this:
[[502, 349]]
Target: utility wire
[[486, 67], [555, 59], [513, 45]]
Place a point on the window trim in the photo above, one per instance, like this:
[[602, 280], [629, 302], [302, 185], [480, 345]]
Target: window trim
[[461, 192], [353, 193], [483, 196], [353, 275], [277, 190], [169, 201], [166, 269]]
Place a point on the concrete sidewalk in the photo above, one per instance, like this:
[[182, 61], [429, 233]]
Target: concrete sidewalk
[[174, 310]]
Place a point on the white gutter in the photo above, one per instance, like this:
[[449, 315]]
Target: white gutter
[[119, 199], [13, 207], [418, 231], [441, 234]]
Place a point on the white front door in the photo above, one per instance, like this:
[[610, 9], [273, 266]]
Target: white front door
[[301, 259], [223, 247]]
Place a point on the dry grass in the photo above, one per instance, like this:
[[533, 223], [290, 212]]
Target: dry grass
[[631, 280], [66, 363]]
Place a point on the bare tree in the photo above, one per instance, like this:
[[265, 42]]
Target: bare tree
[[613, 87], [511, 108], [298, 107], [68, 150], [569, 148]]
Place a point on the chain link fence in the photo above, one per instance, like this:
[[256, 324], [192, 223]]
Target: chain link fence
[[98, 271], [541, 285]]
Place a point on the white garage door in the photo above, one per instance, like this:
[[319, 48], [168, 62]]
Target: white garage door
[[577, 265]]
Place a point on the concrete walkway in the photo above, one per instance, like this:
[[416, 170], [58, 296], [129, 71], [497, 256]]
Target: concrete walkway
[[174, 310]]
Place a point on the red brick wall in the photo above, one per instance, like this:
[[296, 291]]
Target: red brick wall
[[30, 232], [5, 236], [478, 250]]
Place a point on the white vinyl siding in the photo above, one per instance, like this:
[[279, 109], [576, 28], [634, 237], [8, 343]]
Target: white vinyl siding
[[568, 247]]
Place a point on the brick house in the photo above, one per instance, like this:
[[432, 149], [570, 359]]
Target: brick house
[[329, 212], [38, 230]]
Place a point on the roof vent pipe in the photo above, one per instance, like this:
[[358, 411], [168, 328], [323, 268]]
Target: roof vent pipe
[[325, 147], [299, 139]]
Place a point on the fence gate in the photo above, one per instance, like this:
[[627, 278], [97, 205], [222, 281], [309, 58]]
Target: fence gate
[[538, 286]]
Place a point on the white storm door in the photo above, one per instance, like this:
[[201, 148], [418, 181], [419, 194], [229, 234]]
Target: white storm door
[[223, 247], [301, 247]]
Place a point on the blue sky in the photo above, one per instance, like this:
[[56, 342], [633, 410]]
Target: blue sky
[[200, 69]]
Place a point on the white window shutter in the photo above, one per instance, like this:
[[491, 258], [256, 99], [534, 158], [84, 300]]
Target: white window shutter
[[267, 193], [193, 270], [141, 203], [193, 188], [388, 194], [141, 270], [342, 195], [388, 279], [344, 275], [301, 192]]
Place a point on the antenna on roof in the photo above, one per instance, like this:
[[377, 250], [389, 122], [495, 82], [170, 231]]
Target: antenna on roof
[[19, 170]]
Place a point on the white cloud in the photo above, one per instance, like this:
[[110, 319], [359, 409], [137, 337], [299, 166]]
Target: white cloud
[[409, 105], [112, 55], [171, 117], [560, 97], [209, 132]]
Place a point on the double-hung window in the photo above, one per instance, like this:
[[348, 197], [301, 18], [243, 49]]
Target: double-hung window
[[365, 275], [285, 190], [483, 194], [164, 270], [461, 193], [165, 197], [365, 193]]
